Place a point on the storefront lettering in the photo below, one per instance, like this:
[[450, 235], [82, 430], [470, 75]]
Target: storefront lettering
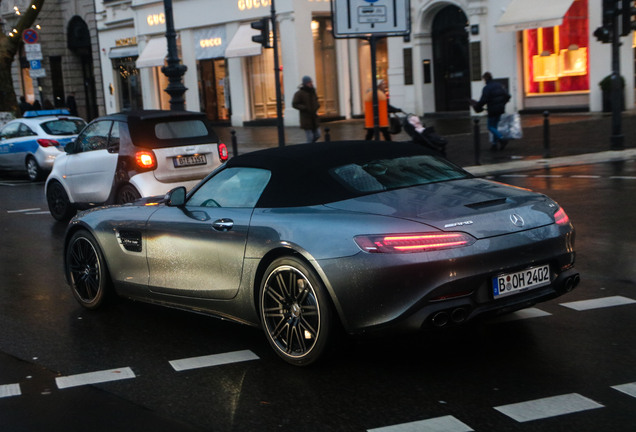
[[156, 19], [252, 4], [210, 43], [126, 41]]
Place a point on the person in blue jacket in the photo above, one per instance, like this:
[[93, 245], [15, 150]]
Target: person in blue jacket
[[494, 96]]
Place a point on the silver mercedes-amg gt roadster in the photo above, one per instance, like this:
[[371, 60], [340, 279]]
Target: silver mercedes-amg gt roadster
[[308, 240]]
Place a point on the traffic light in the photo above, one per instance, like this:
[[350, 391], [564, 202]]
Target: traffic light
[[605, 32], [263, 26], [628, 12], [604, 35]]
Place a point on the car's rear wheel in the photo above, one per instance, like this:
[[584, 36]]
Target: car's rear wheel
[[127, 194], [34, 171], [60, 206], [86, 270], [295, 311]]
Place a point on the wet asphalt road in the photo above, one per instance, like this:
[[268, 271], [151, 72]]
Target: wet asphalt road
[[556, 355]]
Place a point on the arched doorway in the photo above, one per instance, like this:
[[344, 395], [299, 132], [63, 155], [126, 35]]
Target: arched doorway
[[78, 39], [451, 60]]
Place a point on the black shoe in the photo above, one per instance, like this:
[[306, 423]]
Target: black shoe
[[502, 144]]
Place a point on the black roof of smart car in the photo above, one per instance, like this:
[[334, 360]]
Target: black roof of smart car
[[300, 174]]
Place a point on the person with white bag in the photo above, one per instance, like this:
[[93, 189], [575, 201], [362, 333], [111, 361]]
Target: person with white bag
[[494, 96]]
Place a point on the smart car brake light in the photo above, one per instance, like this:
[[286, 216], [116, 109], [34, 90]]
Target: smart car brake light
[[146, 159], [43, 142], [561, 218], [223, 153], [409, 243]]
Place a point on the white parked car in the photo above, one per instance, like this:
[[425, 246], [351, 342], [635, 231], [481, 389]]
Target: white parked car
[[31, 144], [119, 158]]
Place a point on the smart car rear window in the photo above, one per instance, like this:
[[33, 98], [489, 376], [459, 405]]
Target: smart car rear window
[[180, 129], [388, 174]]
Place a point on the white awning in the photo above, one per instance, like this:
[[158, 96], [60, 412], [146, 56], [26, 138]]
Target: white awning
[[154, 54], [531, 14], [125, 51], [241, 44]]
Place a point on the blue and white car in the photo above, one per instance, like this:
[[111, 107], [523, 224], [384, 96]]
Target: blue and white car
[[31, 144]]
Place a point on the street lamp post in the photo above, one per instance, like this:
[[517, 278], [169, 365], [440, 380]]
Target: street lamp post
[[174, 71]]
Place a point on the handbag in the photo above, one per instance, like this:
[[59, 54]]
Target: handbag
[[510, 126], [395, 124]]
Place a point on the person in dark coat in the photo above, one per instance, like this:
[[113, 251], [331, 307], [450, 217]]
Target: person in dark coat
[[71, 104], [306, 102], [494, 96], [24, 106]]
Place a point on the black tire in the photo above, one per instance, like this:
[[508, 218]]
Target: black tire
[[295, 311], [86, 270], [34, 172], [59, 205], [127, 194]]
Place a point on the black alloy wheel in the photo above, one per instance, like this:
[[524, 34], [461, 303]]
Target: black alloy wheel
[[295, 311], [59, 205], [86, 270], [127, 194]]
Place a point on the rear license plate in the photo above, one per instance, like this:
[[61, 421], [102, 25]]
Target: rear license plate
[[511, 283], [184, 161]]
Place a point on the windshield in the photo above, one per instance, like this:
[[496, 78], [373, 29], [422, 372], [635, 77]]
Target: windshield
[[388, 174], [63, 126]]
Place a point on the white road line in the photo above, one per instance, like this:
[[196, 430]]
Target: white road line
[[23, 210], [212, 360], [94, 377], [523, 314], [628, 389], [8, 390], [38, 213], [549, 176], [439, 424], [548, 407], [586, 176], [6, 184], [598, 303]]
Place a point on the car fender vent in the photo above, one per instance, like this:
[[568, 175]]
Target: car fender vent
[[130, 240], [484, 204]]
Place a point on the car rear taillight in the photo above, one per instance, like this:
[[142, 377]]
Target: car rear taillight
[[561, 218], [223, 153], [48, 143], [409, 243], [146, 159]]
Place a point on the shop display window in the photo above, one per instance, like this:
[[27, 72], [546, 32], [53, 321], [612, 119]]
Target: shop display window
[[556, 58]]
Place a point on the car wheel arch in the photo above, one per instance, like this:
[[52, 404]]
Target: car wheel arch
[[81, 226]]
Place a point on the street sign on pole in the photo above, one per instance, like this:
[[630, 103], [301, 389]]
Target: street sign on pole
[[30, 36], [33, 51], [366, 18]]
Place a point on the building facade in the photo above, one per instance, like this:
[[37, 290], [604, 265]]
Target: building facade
[[545, 54], [69, 64]]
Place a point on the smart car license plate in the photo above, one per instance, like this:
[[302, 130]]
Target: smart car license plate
[[511, 283], [184, 161]]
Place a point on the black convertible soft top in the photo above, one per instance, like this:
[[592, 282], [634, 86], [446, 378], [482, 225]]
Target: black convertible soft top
[[300, 173]]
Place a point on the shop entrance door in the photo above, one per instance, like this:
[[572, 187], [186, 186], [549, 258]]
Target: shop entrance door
[[213, 89], [451, 60]]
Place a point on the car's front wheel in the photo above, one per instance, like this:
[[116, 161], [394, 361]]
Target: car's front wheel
[[60, 206], [295, 311], [34, 171], [127, 194], [86, 270]]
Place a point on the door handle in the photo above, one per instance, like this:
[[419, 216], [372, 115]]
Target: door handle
[[223, 224]]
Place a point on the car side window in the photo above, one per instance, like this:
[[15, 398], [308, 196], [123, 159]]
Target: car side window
[[95, 136], [11, 131], [25, 131], [232, 187], [113, 143]]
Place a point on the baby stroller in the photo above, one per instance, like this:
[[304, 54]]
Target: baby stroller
[[424, 135]]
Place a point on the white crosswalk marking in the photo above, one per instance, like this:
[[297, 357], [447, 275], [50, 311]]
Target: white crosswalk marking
[[439, 424], [629, 389], [548, 407], [598, 303], [94, 377], [8, 390], [23, 210], [212, 360]]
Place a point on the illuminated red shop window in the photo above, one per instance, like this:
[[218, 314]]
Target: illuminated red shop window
[[556, 58]]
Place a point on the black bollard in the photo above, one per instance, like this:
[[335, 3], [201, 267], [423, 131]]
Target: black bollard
[[476, 137], [327, 134], [546, 134], [234, 143]]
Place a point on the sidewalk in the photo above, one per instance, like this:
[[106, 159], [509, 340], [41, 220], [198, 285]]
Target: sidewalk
[[575, 138]]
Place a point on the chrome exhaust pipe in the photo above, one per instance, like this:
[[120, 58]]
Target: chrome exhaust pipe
[[440, 319], [458, 315]]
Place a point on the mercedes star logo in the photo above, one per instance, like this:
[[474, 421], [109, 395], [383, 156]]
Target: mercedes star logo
[[516, 220]]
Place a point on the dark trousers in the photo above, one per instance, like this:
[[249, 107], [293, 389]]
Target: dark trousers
[[385, 133]]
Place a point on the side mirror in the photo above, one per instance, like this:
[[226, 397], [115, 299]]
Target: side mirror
[[70, 147], [176, 197]]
